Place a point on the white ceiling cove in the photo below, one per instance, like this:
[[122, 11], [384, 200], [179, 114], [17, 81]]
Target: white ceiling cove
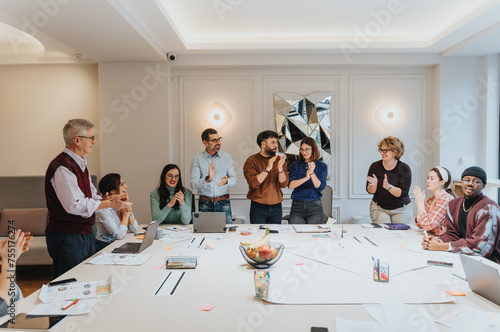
[[131, 30]]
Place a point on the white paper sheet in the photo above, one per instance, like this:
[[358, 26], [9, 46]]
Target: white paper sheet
[[80, 308], [120, 259], [408, 318], [470, 319], [76, 290], [347, 325]]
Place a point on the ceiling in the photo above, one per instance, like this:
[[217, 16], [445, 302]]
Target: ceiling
[[53, 31]]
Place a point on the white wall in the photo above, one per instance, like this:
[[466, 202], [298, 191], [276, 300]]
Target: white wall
[[36, 101], [135, 127]]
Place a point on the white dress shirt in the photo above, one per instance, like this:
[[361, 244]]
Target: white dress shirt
[[69, 193], [223, 167]]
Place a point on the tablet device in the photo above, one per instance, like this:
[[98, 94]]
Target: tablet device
[[33, 323]]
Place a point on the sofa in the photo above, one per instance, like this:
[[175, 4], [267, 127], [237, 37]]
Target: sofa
[[22, 198]]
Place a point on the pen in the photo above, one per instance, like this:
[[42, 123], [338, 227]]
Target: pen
[[69, 305], [201, 242], [378, 268], [341, 231], [426, 236]]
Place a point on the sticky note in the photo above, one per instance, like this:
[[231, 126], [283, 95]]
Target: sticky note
[[169, 248], [300, 264], [157, 267], [402, 247], [206, 307], [140, 237], [455, 292]]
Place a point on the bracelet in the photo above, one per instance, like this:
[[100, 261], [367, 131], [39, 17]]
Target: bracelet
[[389, 188], [265, 170]]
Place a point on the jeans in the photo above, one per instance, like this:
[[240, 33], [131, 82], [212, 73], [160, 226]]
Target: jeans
[[221, 206], [265, 214], [379, 215], [310, 212]]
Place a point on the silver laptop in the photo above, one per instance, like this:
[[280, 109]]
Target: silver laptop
[[482, 278], [209, 222], [136, 247]]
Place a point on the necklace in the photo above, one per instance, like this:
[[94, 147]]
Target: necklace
[[463, 206]]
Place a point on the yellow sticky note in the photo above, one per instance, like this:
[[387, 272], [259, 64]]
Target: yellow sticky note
[[455, 292]]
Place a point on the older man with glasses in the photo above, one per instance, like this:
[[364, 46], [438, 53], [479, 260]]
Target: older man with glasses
[[72, 200], [212, 173], [471, 221]]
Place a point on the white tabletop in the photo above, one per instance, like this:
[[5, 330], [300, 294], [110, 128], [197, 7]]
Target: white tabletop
[[225, 280]]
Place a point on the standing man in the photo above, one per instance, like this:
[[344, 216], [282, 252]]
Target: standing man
[[212, 173], [266, 173], [472, 222], [72, 200]]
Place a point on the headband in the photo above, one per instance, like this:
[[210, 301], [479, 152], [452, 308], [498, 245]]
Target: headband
[[443, 173]]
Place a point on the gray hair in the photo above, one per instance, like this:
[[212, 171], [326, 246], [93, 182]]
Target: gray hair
[[75, 127]]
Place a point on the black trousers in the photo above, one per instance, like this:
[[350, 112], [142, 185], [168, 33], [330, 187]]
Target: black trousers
[[68, 250]]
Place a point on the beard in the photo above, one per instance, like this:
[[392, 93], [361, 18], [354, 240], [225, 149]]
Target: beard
[[270, 152]]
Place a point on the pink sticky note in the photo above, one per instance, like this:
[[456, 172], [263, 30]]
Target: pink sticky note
[[169, 248], [157, 267], [206, 307], [300, 264]]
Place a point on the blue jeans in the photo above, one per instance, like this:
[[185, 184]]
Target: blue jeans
[[221, 206], [265, 214], [310, 212]]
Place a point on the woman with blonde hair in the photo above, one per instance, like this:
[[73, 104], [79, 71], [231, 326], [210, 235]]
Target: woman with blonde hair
[[389, 180]]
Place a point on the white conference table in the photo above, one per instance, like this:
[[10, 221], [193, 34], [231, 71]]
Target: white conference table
[[225, 280]]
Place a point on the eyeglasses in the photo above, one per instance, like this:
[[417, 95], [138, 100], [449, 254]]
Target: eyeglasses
[[475, 182], [89, 137], [305, 150], [216, 140], [170, 176], [384, 150]]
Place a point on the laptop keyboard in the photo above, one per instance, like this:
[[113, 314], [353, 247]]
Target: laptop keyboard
[[128, 247]]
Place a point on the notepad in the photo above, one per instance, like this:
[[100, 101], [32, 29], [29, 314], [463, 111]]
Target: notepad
[[182, 263]]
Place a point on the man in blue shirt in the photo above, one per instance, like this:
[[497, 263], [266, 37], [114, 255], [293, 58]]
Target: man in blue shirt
[[212, 173]]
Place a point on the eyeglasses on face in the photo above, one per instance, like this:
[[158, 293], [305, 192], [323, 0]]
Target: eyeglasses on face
[[170, 176], [216, 140], [475, 182], [92, 138], [384, 150], [305, 150]]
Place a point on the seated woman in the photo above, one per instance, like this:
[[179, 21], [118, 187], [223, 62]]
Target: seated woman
[[307, 179], [430, 213], [112, 224], [171, 202], [389, 181]]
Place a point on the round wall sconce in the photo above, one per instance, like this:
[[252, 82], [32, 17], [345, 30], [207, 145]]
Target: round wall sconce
[[388, 116], [217, 116]]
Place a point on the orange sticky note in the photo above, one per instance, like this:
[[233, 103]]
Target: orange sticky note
[[455, 292], [402, 247], [206, 307], [169, 248], [140, 237]]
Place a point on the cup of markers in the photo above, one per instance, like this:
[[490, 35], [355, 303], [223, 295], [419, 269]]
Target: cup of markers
[[262, 280], [380, 271]]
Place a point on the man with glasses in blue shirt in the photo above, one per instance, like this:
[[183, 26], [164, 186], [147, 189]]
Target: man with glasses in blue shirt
[[212, 173], [472, 222]]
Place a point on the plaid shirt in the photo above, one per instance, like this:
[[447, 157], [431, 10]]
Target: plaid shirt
[[433, 220]]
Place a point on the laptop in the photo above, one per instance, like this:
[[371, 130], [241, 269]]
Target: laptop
[[482, 278], [136, 247], [209, 222]]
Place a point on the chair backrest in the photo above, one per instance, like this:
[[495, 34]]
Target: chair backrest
[[326, 201]]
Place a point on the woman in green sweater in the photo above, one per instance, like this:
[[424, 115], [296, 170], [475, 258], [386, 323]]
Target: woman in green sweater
[[171, 202]]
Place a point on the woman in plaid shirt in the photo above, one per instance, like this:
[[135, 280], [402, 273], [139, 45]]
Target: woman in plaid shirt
[[431, 213]]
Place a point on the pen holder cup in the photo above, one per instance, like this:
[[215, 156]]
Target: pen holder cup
[[262, 287], [380, 272]]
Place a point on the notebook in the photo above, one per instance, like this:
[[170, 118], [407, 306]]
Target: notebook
[[482, 278], [209, 222], [397, 226], [136, 247]]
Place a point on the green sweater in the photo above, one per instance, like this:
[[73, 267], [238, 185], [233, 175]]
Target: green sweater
[[168, 215]]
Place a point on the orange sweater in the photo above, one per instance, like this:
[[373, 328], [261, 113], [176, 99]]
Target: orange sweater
[[269, 191]]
